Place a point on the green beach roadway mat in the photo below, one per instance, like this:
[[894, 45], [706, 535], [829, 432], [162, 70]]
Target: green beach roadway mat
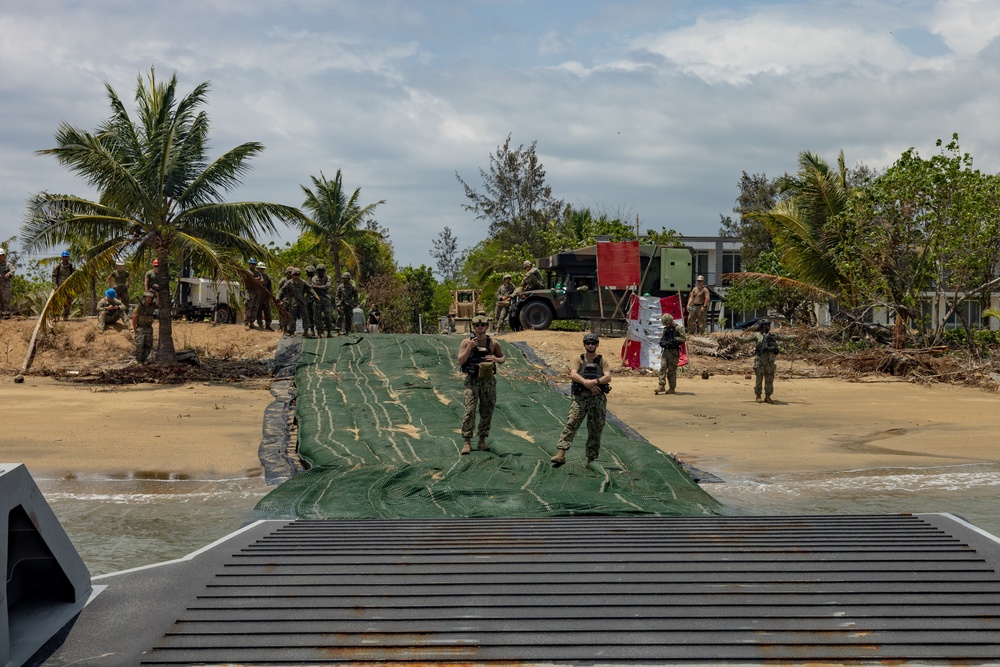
[[379, 426]]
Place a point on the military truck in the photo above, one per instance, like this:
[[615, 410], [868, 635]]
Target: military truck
[[572, 293], [464, 306]]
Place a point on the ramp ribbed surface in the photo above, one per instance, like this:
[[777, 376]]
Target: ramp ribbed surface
[[600, 590]]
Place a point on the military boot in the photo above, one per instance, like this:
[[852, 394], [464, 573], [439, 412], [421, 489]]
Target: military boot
[[759, 399], [559, 458], [768, 399], [467, 448], [481, 445]]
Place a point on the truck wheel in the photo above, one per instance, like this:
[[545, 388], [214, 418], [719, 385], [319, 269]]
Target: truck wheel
[[536, 315], [224, 315]]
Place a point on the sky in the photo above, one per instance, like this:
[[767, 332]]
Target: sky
[[648, 108]]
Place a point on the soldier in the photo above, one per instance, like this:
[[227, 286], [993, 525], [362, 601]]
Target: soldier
[[591, 376], [347, 301], [282, 314], [322, 309], [109, 310], [264, 309], [308, 324], [150, 281], [251, 300], [63, 270], [697, 306], [6, 274], [670, 353], [119, 280], [142, 326], [294, 295], [763, 365], [478, 357], [504, 292], [532, 278]]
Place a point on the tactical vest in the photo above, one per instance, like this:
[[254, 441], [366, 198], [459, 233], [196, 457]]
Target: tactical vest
[[471, 365], [767, 345], [669, 340], [589, 370]]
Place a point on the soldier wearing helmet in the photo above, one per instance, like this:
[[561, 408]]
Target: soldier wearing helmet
[[347, 301], [502, 310], [308, 323], [670, 353], [6, 274], [764, 362], [478, 356], [60, 273], [119, 280], [264, 308], [532, 277], [322, 315], [296, 295], [253, 282], [109, 310], [590, 374]]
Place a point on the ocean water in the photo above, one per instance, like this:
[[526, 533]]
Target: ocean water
[[117, 524]]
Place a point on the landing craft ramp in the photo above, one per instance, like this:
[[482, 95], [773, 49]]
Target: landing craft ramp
[[379, 418]]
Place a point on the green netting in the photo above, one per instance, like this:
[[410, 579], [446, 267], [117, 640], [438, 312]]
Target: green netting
[[379, 420]]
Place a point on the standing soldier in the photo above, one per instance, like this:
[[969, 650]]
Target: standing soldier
[[670, 354], [294, 295], [251, 300], [142, 326], [478, 357], [109, 310], [504, 293], [63, 270], [347, 301], [322, 309], [763, 365], [697, 306], [150, 281], [308, 324], [119, 280], [264, 309], [532, 278], [591, 376], [282, 314], [6, 273]]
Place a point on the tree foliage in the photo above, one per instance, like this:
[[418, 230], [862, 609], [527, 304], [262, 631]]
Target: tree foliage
[[447, 258], [758, 196]]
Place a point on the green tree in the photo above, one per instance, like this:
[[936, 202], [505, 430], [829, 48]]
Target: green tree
[[421, 283], [159, 194], [758, 196], [337, 221], [516, 201], [445, 253]]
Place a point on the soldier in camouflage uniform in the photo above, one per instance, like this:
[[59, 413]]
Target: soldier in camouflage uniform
[[532, 279], [142, 326], [294, 295], [478, 357], [504, 293], [109, 310], [264, 309], [347, 301], [251, 300], [591, 376], [763, 365], [119, 281], [322, 309], [670, 353], [63, 270], [6, 274], [308, 323], [282, 316]]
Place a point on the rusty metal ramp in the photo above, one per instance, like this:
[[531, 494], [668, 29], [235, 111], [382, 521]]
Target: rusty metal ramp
[[894, 589]]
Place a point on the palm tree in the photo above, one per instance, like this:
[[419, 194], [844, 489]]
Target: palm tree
[[159, 195], [336, 219]]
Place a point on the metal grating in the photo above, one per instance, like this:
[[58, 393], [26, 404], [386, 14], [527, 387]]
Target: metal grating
[[650, 590]]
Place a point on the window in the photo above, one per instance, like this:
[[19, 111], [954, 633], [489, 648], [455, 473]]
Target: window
[[732, 261], [973, 313], [699, 264]]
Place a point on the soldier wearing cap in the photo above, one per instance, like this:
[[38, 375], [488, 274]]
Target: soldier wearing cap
[[504, 292], [347, 301], [6, 274], [142, 326], [264, 309], [697, 306], [763, 365], [322, 309], [294, 295], [670, 353], [109, 309], [591, 381], [532, 277], [119, 280], [62, 271], [478, 356]]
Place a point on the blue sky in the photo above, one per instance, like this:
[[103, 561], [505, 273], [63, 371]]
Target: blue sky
[[648, 108]]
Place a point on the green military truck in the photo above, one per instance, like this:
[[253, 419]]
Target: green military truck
[[572, 293]]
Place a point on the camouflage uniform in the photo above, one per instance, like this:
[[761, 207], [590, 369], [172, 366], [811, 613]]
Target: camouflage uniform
[[322, 309], [59, 275], [264, 309], [764, 366], [308, 323], [347, 301], [481, 392], [109, 311], [669, 358], [119, 280], [503, 306], [532, 280], [144, 318], [293, 295], [251, 300], [593, 407], [6, 273], [282, 316]]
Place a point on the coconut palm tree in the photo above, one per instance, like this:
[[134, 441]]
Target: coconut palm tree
[[159, 195], [336, 220]]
